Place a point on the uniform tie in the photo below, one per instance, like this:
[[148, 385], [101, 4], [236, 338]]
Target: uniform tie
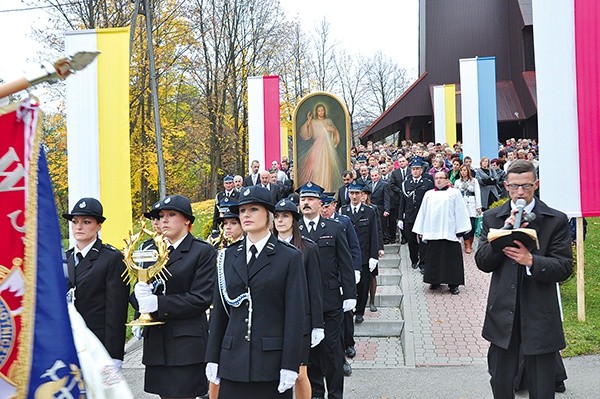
[[170, 249], [253, 250], [79, 257], [311, 226]]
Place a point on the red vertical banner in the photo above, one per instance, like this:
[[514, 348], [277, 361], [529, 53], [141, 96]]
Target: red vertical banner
[[587, 63], [272, 120], [13, 169]]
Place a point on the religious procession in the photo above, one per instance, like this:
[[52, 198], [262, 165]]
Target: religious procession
[[298, 249]]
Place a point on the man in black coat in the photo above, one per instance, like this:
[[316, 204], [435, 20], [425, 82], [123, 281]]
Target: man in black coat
[[94, 272], [413, 190], [342, 195], [337, 271], [253, 178], [380, 196], [274, 190], [395, 185], [523, 312]]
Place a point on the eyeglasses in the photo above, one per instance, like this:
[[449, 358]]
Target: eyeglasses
[[526, 186]]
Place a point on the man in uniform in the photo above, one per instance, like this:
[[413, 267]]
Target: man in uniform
[[328, 212], [380, 196], [413, 190], [523, 313], [363, 219], [327, 358], [228, 192]]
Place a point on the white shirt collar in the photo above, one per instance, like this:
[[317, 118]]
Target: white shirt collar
[[307, 221], [176, 243], [85, 249], [259, 246]]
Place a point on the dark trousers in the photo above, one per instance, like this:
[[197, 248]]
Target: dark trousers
[[362, 290], [392, 224], [503, 365], [416, 250], [327, 359], [252, 390], [348, 333]]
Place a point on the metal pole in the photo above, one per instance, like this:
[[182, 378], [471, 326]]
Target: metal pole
[[132, 29], [162, 188]]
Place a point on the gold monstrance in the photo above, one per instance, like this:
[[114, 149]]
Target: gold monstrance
[[133, 272]]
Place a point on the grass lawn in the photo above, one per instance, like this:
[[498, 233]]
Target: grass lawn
[[584, 337]]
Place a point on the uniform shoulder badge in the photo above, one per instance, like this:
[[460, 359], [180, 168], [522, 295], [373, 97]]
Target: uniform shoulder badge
[[110, 247]]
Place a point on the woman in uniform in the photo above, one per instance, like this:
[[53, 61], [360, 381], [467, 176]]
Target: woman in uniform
[[94, 270], [255, 343], [287, 229], [174, 351]]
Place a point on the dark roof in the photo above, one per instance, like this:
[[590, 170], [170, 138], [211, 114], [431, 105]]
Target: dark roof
[[413, 102], [529, 77]]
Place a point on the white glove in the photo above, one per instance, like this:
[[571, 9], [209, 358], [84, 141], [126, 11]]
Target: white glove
[[372, 264], [142, 289], [148, 304], [357, 276], [287, 379], [137, 331], [211, 373], [316, 336], [348, 304], [117, 363]]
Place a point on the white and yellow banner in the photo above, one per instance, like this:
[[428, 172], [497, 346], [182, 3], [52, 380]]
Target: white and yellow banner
[[98, 127]]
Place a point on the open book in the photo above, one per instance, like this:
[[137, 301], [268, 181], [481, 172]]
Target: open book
[[501, 238]]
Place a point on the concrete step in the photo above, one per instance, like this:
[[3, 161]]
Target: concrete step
[[386, 322], [389, 276], [391, 248], [388, 296], [389, 261]]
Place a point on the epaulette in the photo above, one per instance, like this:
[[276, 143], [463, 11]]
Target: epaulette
[[110, 247], [201, 240], [336, 220]]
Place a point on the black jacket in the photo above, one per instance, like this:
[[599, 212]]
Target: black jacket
[[189, 292], [277, 284], [101, 296], [541, 326]]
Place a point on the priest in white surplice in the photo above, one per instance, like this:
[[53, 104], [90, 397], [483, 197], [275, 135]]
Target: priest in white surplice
[[441, 220]]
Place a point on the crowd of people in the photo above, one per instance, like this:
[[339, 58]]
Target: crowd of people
[[288, 272]]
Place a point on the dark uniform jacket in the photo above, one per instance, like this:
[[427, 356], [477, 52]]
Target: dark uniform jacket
[[277, 284], [189, 292], [365, 224], [352, 238], [336, 262], [219, 197], [312, 267], [541, 326], [412, 196], [101, 295]]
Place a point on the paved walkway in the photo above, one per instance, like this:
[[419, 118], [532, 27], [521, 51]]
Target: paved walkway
[[445, 328]]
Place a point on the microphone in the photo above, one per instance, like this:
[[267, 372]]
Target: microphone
[[529, 217], [521, 203]]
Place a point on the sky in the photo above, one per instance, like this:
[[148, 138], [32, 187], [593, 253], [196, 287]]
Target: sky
[[389, 26]]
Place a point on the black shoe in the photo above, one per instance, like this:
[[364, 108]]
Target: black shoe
[[434, 286], [347, 369], [560, 387], [350, 352], [414, 265], [454, 290], [373, 308], [359, 319], [403, 241]]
